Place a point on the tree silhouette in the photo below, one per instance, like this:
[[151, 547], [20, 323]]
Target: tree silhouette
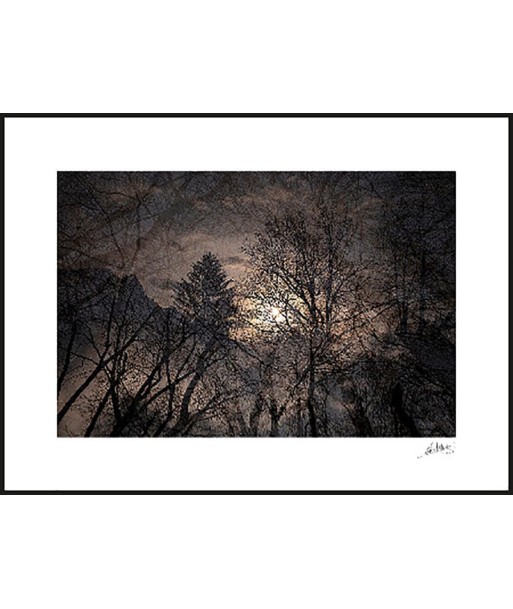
[[302, 271], [206, 302]]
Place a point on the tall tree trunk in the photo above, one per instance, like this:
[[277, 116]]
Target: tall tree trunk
[[403, 317], [404, 425], [422, 295], [275, 414], [300, 432], [97, 413], [165, 422], [67, 358], [184, 416], [254, 417], [360, 420], [310, 402]]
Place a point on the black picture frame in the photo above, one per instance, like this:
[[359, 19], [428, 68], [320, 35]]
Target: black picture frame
[[3, 490]]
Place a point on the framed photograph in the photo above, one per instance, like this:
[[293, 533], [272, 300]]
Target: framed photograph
[[256, 303]]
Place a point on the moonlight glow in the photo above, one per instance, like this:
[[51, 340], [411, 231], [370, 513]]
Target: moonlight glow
[[276, 315]]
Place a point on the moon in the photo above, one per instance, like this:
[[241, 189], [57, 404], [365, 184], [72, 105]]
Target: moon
[[276, 315]]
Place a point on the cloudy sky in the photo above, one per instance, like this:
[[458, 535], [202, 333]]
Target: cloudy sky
[[156, 225]]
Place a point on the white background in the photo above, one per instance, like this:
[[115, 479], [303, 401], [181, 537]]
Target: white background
[[37, 148], [257, 552], [274, 56]]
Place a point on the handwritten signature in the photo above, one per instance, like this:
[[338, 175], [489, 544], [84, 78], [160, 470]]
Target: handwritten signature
[[438, 447]]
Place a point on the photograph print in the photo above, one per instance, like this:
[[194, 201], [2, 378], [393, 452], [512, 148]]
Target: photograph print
[[256, 304]]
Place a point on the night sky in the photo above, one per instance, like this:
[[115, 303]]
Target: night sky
[[156, 225]]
